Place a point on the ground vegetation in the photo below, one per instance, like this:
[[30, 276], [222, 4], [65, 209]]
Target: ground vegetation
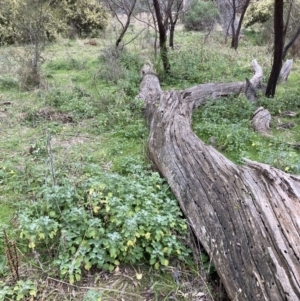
[[75, 171]]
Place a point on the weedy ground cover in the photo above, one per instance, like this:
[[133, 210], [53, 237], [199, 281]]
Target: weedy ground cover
[[78, 196]]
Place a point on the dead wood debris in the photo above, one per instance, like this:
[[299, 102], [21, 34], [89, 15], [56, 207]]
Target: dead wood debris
[[50, 114], [91, 42], [288, 114], [286, 126], [5, 103]]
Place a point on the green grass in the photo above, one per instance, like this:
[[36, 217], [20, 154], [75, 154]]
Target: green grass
[[88, 116]]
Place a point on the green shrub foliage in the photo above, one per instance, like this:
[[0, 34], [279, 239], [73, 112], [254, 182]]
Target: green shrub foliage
[[101, 220], [259, 18], [27, 21], [85, 16], [202, 16], [259, 12], [21, 21]]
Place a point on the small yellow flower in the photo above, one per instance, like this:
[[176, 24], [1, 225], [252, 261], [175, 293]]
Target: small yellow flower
[[31, 245], [130, 243], [96, 209]]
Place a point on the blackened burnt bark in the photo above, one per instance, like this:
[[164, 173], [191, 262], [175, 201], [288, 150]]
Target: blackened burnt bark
[[290, 43], [278, 48]]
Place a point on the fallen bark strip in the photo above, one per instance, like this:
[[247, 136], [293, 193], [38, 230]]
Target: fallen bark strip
[[246, 217]]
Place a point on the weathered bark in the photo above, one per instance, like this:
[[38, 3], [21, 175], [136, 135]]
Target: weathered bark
[[260, 120], [246, 217], [250, 91], [285, 71], [288, 114]]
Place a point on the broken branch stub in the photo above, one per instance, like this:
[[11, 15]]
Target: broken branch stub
[[285, 71]]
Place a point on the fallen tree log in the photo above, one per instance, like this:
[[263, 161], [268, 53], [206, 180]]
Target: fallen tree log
[[246, 217]]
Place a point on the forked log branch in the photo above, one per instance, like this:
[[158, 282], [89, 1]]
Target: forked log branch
[[246, 217]]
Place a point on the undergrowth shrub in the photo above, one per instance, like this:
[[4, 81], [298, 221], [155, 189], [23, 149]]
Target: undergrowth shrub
[[23, 21], [120, 113], [203, 15], [256, 38], [110, 70], [120, 67], [200, 64], [66, 64], [19, 20], [101, 220], [109, 110], [283, 102], [113, 107], [225, 123], [21, 290], [76, 100], [29, 77], [259, 12], [284, 157], [87, 17], [259, 16], [230, 110], [8, 83]]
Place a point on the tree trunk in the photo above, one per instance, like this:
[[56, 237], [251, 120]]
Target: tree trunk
[[227, 15], [278, 48], [246, 217], [236, 32], [171, 39], [175, 8], [290, 43], [128, 9], [125, 27], [162, 37]]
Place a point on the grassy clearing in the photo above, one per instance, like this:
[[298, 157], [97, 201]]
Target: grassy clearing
[[76, 150]]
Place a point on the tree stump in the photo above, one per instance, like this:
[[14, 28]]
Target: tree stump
[[260, 120], [246, 217]]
